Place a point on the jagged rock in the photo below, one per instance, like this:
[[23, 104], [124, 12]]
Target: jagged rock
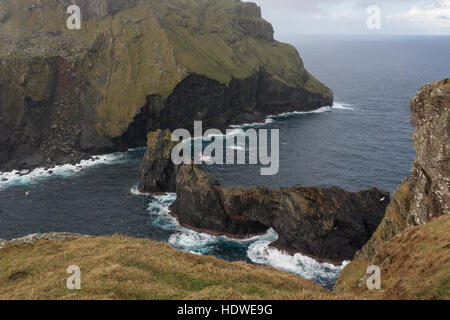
[[134, 67], [200, 206], [425, 194], [158, 173], [328, 224]]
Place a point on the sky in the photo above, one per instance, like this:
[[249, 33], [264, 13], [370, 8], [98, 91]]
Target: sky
[[290, 17]]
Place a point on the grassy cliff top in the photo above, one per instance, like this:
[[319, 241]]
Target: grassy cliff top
[[124, 268]]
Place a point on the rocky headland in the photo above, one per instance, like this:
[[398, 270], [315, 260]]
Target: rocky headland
[[423, 197], [329, 224], [135, 67]]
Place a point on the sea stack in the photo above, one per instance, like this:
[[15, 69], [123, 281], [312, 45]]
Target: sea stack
[[158, 173]]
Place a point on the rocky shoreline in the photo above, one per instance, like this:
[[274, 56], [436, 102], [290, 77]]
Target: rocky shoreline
[[329, 224]]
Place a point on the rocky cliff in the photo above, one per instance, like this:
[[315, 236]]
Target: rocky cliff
[[133, 67], [425, 193], [329, 224], [422, 197], [158, 173]]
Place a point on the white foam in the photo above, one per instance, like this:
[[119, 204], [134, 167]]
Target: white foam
[[191, 241], [260, 252], [342, 106], [273, 118], [135, 191], [27, 177]]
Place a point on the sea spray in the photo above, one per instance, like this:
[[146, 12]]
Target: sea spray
[[257, 249]]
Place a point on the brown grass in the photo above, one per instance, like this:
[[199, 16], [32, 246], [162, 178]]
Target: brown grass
[[124, 268], [419, 266]]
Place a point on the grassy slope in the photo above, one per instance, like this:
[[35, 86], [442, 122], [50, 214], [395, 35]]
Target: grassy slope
[[417, 266], [123, 268]]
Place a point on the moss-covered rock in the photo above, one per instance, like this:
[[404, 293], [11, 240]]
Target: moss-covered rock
[[425, 193], [127, 55]]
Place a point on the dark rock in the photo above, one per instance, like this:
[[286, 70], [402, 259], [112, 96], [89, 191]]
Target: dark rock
[[329, 224], [217, 105], [158, 173], [200, 206]]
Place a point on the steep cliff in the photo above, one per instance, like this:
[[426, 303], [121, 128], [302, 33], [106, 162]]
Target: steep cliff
[[133, 67], [329, 224], [423, 196], [425, 193]]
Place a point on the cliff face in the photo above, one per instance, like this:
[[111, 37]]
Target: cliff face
[[158, 173], [134, 67], [422, 198], [425, 194], [327, 224]]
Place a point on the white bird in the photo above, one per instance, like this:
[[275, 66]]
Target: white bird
[[382, 199], [27, 194]]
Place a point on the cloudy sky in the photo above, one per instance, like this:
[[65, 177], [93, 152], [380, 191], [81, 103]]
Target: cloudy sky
[[350, 16]]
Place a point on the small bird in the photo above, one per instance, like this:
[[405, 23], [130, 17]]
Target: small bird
[[382, 199], [27, 194]]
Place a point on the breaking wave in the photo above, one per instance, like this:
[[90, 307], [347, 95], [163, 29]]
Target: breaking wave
[[325, 274], [257, 248], [273, 118], [16, 177]]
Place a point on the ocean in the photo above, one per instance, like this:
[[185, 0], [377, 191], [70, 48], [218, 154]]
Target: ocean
[[363, 141]]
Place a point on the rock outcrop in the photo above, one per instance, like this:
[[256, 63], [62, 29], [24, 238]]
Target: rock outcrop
[[134, 67], [35, 237], [329, 224], [158, 173], [425, 194]]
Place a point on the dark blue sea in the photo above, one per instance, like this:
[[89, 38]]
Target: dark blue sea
[[363, 141]]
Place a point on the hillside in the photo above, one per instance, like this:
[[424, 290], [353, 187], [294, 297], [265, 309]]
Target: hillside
[[125, 268], [133, 67]]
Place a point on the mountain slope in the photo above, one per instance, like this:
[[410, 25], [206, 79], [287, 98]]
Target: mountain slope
[[137, 66]]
